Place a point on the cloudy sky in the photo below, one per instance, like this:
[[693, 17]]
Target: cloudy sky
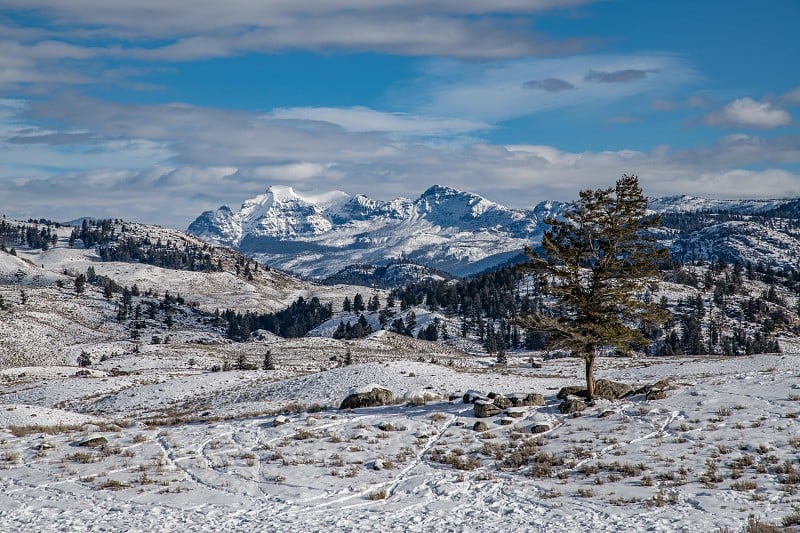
[[155, 111]]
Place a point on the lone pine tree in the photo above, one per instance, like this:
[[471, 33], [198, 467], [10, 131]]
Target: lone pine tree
[[595, 260]]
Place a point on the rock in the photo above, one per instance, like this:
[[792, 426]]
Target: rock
[[385, 426], [515, 413], [655, 394], [506, 421], [369, 396], [611, 390], [522, 399], [480, 426], [540, 428], [471, 395], [485, 409], [502, 402], [606, 413], [603, 388], [97, 441], [658, 387], [378, 464], [281, 420], [454, 396], [571, 406], [45, 445], [533, 399], [574, 390]]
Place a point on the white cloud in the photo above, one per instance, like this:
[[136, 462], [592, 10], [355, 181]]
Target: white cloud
[[187, 29], [748, 113], [362, 120], [497, 91], [792, 97]]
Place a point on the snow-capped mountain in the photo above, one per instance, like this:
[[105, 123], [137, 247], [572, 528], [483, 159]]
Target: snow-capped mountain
[[462, 233], [447, 229]]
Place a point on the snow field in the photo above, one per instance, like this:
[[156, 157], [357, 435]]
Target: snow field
[[722, 445]]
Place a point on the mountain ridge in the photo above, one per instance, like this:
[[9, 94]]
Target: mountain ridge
[[447, 229]]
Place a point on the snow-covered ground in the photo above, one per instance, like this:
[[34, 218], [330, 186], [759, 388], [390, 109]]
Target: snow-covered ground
[[721, 446]]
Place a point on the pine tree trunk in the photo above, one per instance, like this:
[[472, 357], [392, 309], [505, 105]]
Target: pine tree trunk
[[589, 360]]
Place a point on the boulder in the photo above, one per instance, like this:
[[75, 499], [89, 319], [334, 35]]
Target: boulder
[[502, 402], [574, 390], [506, 421], [571, 406], [603, 388], [471, 395], [368, 396], [540, 428], [480, 426], [281, 420], [655, 394], [611, 390], [96, 441], [533, 399], [515, 413], [485, 409], [658, 388]]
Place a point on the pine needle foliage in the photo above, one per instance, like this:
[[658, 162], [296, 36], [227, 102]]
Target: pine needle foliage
[[595, 262]]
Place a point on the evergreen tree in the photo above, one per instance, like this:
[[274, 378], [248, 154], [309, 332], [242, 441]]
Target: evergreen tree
[[596, 258], [84, 360], [80, 284], [358, 303], [374, 304], [269, 364]]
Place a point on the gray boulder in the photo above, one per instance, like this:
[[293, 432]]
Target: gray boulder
[[485, 409], [603, 388], [540, 428], [471, 395], [480, 426], [574, 390], [655, 394], [97, 441], [571, 406], [502, 402], [368, 396], [611, 390]]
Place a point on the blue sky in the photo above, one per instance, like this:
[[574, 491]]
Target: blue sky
[[156, 111]]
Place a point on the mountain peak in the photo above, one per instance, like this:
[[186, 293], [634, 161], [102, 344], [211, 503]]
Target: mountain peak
[[442, 190], [282, 193]]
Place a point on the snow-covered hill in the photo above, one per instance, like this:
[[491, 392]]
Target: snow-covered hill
[[451, 230], [446, 229]]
